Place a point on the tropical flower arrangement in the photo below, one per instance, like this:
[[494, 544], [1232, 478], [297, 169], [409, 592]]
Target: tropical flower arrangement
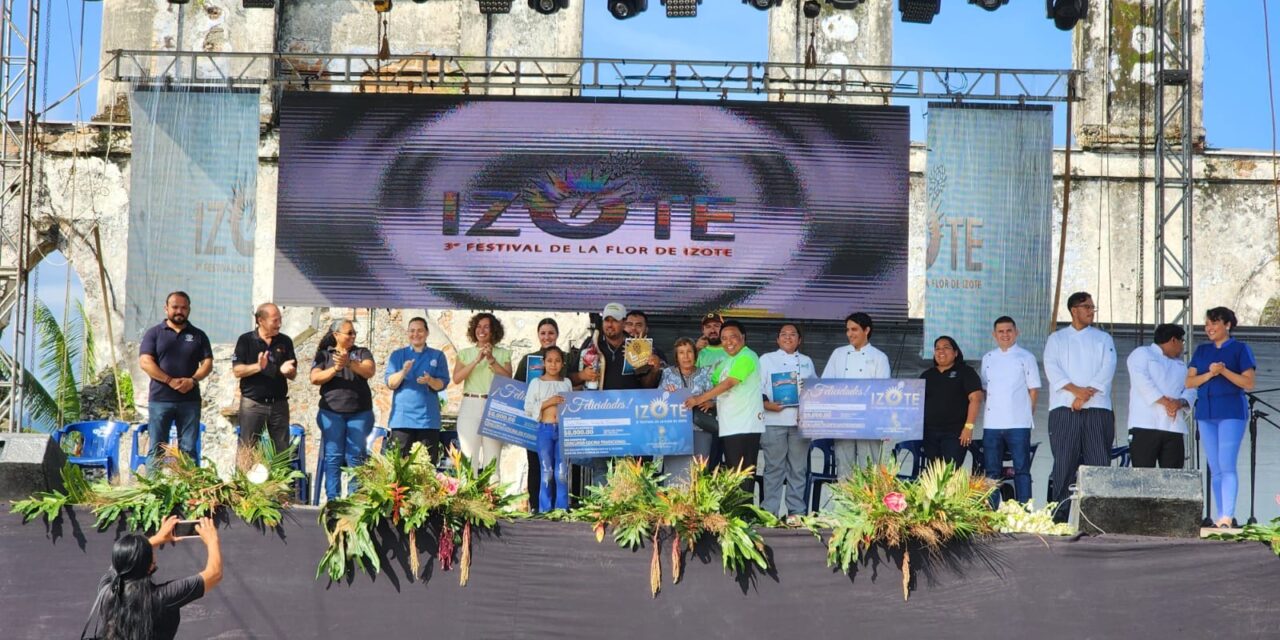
[[1267, 533], [257, 491], [875, 506], [408, 492], [639, 507]]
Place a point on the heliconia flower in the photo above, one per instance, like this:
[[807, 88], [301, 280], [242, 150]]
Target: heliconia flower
[[896, 502]]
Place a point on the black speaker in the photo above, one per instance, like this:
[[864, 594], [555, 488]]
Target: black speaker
[[29, 462], [1144, 502]]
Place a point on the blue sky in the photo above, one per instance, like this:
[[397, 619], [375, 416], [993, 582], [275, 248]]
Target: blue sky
[[1015, 36]]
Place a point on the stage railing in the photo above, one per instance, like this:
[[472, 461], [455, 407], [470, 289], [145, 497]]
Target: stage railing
[[573, 76]]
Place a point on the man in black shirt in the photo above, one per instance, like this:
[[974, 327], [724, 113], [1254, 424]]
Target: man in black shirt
[[264, 362], [177, 356]]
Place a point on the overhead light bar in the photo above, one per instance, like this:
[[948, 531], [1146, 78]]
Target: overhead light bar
[[623, 9], [919, 11], [548, 7], [682, 8], [490, 7]]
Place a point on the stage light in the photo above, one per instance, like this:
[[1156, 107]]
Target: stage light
[[1066, 13], [623, 9], [490, 7], [178, 1], [548, 7], [682, 8], [846, 5], [989, 5], [919, 11], [259, 4], [812, 9], [382, 6], [763, 5]]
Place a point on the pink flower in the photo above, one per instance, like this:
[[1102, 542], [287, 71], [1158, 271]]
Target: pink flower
[[450, 483], [896, 502]]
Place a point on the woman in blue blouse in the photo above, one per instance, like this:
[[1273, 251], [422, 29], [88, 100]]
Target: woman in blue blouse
[[1222, 370]]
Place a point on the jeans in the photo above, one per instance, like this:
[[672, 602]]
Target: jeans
[[344, 436], [554, 469], [185, 415], [1018, 444], [1222, 440], [786, 461]]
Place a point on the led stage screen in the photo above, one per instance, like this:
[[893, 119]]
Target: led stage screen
[[413, 201]]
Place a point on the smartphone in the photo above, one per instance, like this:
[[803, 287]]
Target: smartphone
[[185, 529]]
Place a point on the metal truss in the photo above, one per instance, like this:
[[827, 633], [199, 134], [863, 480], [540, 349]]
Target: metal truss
[[18, 117], [574, 76], [1173, 165]]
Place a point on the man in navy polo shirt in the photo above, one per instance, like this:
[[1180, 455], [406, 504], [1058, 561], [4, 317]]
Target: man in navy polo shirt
[[264, 362], [177, 356]]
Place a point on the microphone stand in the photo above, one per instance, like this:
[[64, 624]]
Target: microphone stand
[[1256, 414]]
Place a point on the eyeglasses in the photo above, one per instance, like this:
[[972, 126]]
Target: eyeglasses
[[1086, 307]]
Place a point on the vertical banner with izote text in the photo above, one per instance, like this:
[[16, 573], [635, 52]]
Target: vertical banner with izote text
[[989, 183], [191, 207]]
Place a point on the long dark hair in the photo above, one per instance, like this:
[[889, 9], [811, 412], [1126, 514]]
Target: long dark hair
[[126, 596]]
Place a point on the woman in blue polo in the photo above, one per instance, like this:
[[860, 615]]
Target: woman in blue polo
[[416, 374], [1222, 370]]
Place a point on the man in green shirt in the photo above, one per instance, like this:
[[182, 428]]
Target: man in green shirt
[[710, 350], [739, 402]]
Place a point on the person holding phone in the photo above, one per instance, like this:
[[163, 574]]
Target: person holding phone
[[129, 605]]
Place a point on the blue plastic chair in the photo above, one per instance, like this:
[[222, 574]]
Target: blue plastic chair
[[139, 458], [916, 449], [377, 435], [101, 448], [814, 480]]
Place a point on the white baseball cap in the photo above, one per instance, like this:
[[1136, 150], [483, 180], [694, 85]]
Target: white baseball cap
[[614, 310]]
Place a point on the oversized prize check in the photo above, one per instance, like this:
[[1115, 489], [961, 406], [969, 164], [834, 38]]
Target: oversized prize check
[[847, 409], [504, 417], [638, 422]]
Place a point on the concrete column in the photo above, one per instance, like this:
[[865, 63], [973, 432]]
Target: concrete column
[[1115, 48], [862, 36], [157, 25]]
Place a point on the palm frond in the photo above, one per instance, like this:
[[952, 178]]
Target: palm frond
[[57, 347], [88, 350]]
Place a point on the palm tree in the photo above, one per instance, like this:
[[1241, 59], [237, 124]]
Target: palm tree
[[65, 355]]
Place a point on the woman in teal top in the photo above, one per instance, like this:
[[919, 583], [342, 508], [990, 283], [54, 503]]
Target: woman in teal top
[[416, 375]]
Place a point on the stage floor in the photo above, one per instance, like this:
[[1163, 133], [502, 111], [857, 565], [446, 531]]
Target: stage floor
[[538, 579]]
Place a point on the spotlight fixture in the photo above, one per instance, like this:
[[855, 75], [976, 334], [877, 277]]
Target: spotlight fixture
[[178, 1], [989, 5], [682, 8], [1066, 13], [812, 9], [548, 7], [382, 6], [623, 9], [490, 7], [919, 11], [845, 5], [763, 5], [259, 4]]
